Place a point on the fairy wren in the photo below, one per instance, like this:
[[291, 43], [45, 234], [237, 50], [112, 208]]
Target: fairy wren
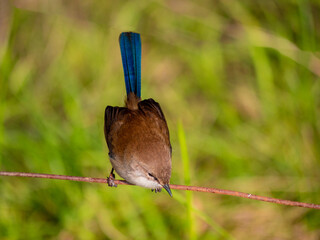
[[137, 135]]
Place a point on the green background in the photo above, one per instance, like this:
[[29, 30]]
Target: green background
[[238, 82]]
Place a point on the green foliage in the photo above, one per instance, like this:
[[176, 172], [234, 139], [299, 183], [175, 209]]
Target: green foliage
[[241, 77]]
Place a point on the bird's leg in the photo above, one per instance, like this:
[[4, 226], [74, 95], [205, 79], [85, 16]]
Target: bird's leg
[[111, 178]]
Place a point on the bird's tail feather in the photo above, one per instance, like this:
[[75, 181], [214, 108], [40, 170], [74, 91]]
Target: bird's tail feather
[[130, 45]]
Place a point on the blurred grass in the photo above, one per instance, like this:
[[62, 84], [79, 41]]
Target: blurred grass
[[242, 76], [187, 181]]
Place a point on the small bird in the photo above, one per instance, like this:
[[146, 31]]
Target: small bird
[[137, 135]]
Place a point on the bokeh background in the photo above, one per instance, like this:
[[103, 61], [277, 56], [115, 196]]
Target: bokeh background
[[238, 82]]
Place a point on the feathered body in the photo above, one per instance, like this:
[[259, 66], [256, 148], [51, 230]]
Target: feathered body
[[137, 135]]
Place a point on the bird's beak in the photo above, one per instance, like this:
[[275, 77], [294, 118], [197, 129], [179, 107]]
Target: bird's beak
[[167, 188]]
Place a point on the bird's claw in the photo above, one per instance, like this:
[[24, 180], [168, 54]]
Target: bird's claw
[[156, 190], [110, 180]]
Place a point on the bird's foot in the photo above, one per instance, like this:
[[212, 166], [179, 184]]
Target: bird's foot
[[110, 180], [156, 190]]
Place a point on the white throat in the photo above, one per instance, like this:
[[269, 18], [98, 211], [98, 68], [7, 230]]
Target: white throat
[[144, 182]]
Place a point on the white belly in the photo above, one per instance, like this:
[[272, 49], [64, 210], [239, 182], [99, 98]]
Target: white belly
[[132, 175]]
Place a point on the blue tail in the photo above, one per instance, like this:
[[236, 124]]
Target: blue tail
[[130, 45]]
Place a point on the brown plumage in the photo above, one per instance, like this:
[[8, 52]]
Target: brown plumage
[[137, 134], [138, 140]]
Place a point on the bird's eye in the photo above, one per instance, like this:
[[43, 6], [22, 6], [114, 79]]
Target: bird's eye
[[152, 176]]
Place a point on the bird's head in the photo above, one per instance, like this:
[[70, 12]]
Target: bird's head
[[152, 176]]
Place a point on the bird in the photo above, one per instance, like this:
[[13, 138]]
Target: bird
[[137, 135]]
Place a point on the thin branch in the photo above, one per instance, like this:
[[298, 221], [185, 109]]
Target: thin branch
[[172, 186]]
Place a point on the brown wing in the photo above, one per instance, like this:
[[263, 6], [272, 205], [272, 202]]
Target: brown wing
[[151, 106], [112, 114]]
